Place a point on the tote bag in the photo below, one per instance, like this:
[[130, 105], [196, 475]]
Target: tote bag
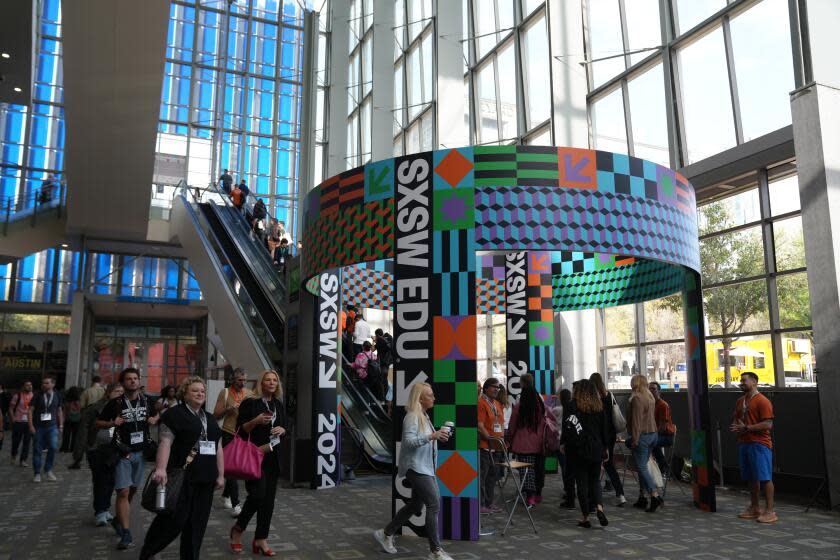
[[243, 459]]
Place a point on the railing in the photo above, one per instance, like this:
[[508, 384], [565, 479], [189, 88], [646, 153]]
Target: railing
[[47, 198]]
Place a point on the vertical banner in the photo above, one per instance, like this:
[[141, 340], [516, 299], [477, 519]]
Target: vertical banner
[[702, 457], [540, 322], [326, 428], [435, 324], [412, 296], [516, 320]]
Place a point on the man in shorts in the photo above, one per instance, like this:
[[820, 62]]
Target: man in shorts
[[752, 421], [130, 417]]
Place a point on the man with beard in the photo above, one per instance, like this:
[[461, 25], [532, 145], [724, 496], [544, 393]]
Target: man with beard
[[752, 421], [226, 412]]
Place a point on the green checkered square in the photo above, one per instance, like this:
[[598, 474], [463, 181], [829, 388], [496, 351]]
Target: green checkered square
[[443, 413], [465, 393], [444, 371]]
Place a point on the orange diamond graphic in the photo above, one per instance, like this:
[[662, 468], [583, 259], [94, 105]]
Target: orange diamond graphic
[[453, 167], [456, 473]]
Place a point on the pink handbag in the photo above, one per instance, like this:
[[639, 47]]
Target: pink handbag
[[243, 459]]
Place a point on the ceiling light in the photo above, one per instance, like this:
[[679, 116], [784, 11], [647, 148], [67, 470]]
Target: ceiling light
[[64, 245], [17, 89], [5, 55]]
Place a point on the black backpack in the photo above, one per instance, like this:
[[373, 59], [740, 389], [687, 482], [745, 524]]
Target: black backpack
[[374, 369]]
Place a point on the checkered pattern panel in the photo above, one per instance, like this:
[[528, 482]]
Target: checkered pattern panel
[[367, 288], [489, 296]]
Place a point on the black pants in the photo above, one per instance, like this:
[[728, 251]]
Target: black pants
[[103, 481], [488, 478], [189, 521], [260, 500], [231, 486], [588, 479], [21, 434], [68, 439], [612, 473], [374, 383]]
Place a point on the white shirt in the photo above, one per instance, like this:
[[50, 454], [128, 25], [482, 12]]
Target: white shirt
[[361, 332]]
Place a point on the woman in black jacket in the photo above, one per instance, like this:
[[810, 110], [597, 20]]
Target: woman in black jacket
[[264, 419], [585, 438], [612, 431], [188, 437]]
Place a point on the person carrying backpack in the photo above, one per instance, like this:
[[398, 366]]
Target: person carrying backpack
[[585, 437], [369, 370]]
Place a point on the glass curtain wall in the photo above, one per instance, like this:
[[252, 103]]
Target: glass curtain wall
[[507, 69], [32, 137], [231, 97], [359, 83], [322, 106], [728, 67]]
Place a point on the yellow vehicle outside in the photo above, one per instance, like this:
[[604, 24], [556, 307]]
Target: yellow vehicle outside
[[757, 355]]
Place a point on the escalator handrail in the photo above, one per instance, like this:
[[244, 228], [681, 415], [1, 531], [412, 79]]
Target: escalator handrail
[[377, 429], [215, 260]]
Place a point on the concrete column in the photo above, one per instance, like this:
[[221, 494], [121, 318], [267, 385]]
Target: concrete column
[[382, 116], [568, 77], [76, 356], [450, 91], [338, 66], [816, 114], [576, 345]]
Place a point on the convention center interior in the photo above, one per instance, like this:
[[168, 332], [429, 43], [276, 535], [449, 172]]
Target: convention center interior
[[444, 279]]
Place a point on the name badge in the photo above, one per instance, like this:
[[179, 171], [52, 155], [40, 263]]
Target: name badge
[[497, 428], [207, 447], [136, 437], [274, 441], [46, 417]]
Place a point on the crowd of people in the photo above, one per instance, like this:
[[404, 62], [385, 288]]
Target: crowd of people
[[581, 427], [269, 231], [370, 356]]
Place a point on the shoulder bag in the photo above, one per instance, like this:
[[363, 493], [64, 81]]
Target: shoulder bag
[[243, 459], [550, 435], [174, 484], [619, 423]]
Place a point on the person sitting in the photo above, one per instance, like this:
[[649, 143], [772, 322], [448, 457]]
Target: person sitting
[[368, 370]]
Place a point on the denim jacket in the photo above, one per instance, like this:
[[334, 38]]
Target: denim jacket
[[417, 453]]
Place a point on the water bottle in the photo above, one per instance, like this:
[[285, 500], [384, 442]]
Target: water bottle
[[160, 503], [449, 427]]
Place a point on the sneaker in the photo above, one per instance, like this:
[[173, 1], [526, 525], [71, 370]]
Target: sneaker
[[439, 554], [226, 503], [385, 541], [768, 517], [750, 513], [237, 509], [126, 541], [531, 501], [117, 527], [620, 501], [37, 478], [101, 519], [496, 509], [485, 510], [641, 503], [50, 476], [24, 464], [108, 516]]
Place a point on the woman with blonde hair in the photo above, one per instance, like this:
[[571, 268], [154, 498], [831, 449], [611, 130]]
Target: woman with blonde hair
[[190, 439], [585, 436], [418, 450], [263, 417], [641, 428]]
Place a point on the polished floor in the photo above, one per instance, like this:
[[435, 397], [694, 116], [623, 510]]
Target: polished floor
[[54, 520]]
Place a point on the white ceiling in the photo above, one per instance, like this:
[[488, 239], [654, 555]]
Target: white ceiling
[[113, 73]]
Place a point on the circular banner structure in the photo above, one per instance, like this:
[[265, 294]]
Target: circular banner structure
[[521, 230]]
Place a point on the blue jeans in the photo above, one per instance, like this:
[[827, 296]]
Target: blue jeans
[[45, 438], [641, 454]]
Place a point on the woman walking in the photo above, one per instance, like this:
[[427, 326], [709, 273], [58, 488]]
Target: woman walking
[[418, 453], [641, 426], [190, 439], [96, 443], [585, 436], [264, 418], [526, 431], [72, 415], [609, 466]]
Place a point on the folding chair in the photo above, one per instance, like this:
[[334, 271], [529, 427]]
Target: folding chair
[[669, 464], [511, 468]]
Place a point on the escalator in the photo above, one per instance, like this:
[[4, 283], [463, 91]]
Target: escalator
[[258, 289]]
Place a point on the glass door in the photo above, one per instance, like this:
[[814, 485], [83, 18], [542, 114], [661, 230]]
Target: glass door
[[148, 357]]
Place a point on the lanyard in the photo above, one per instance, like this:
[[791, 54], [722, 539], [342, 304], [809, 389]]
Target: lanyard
[[203, 418], [272, 410], [492, 405], [48, 403], [133, 409]]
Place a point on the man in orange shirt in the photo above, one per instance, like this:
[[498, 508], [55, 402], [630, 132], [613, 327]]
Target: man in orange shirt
[[752, 421], [491, 421], [665, 427]]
